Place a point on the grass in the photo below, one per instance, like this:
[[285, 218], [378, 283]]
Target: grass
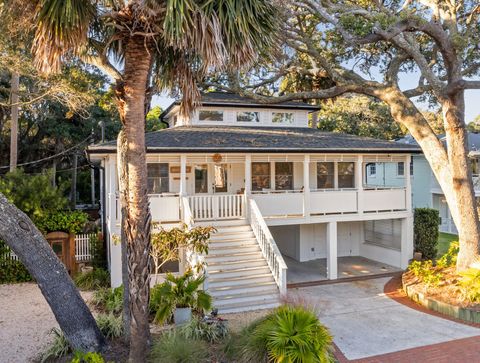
[[444, 240]]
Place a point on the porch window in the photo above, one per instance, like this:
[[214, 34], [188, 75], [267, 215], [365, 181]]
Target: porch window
[[325, 175], [220, 183], [346, 175], [283, 176], [157, 178], [400, 168], [201, 178], [260, 176], [372, 170], [248, 117], [211, 115], [282, 118]]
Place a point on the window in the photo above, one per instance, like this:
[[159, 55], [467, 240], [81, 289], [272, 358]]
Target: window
[[284, 176], [201, 178], [325, 175], [210, 115], [282, 118], [260, 176], [220, 184], [157, 178], [411, 168], [346, 175], [372, 170], [400, 169], [248, 117]]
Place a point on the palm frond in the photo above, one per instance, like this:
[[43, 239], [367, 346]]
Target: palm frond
[[62, 28]]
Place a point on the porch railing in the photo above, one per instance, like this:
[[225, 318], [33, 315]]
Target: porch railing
[[219, 206], [268, 246]]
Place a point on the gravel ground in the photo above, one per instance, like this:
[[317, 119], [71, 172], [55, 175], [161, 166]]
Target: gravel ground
[[25, 322]]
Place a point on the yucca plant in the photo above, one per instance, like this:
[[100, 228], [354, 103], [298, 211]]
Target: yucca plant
[[178, 292], [290, 334]]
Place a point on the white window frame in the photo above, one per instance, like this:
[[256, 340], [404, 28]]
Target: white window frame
[[203, 121], [248, 112], [284, 118], [372, 166], [166, 178]]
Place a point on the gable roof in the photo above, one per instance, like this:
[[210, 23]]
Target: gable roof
[[258, 140], [228, 99]]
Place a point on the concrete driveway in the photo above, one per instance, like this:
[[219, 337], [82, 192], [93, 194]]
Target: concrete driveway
[[365, 322]]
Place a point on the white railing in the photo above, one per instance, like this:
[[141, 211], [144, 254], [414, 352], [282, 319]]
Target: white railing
[[164, 207], [268, 246], [280, 203], [83, 247], [218, 206]]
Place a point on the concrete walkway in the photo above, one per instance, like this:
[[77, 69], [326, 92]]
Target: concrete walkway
[[365, 322]]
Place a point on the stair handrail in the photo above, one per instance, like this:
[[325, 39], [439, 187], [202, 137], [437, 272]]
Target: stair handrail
[[269, 248]]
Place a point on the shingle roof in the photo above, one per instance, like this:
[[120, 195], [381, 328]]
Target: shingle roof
[[259, 140], [226, 99]]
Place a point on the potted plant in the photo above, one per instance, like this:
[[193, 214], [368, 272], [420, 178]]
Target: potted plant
[[177, 296]]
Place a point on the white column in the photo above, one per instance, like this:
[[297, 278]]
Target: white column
[[115, 230], [306, 186], [332, 272], [248, 174], [183, 175], [406, 241], [408, 184], [359, 183]]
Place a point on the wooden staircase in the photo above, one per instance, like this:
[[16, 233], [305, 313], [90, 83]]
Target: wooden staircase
[[239, 278]]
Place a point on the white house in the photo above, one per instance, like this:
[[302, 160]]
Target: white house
[[291, 203], [426, 191]]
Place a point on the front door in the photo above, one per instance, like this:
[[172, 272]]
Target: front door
[[220, 178], [201, 179]]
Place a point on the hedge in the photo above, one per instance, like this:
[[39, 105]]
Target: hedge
[[11, 271], [426, 221]]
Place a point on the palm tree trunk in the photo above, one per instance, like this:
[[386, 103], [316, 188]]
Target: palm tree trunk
[[131, 97], [71, 312]]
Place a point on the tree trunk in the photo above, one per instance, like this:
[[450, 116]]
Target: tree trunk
[[14, 116], [450, 169], [137, 217], [123, 188], [73, 190], [457, 141], [71, 312]]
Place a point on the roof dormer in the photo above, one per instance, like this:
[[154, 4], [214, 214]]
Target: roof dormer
[[229, 109]]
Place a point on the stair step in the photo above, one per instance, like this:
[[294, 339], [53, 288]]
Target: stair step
[[229, 242], [235, 264], [227, 257], [234, 281], [235, 290], [224, 223], [234, 228], [252, 305], [232, 235], [219, 272], [213, 251]]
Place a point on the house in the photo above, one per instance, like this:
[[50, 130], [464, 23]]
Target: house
[[291, 203], [426, 191]]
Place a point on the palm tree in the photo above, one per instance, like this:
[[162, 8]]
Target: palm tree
[[160, 44]]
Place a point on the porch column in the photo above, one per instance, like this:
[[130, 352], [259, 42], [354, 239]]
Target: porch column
[[115, 226], [359, 183], [183, 175], [332, 273], [406, 241], [248, 174], [408, 184], [306, 186]]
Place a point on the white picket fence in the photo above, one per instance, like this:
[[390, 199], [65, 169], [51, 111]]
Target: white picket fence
[[83, 247]]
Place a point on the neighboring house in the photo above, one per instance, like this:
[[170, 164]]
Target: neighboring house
[[291, 203], [425, 188]]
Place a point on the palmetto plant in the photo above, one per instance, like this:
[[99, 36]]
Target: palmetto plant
[[179, 292], [147, 46]]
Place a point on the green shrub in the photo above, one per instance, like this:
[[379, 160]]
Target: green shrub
[[449, 259], [58, 348], [290, 334], [99, 257], [426, 222], [426, 272], [92, 280], [173, 347], [110, 300], [212, 331], [178, 292], [90, 357], [470, 284], [110, 325], [11, 271], [64, 221]]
